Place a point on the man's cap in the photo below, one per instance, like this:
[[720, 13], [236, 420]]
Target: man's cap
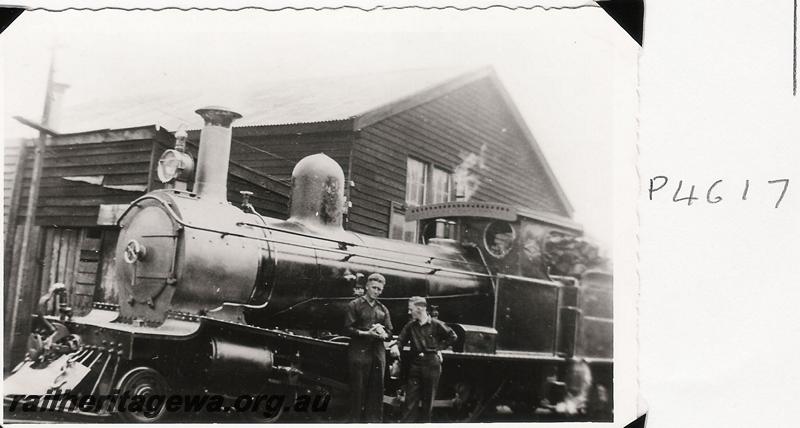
[[376, 277], [418, 301]]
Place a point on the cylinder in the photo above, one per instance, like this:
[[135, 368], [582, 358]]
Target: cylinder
[[235, 367], [249, 359], [213, 156]]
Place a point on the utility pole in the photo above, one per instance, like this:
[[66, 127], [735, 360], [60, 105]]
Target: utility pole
[[24, 273]]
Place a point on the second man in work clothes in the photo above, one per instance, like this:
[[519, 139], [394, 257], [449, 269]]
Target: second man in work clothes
[[368, 323], [427, 337]]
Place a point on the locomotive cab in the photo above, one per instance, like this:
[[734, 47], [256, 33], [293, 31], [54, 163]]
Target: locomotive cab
[[511, 240]]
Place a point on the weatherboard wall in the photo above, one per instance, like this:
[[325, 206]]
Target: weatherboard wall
[[273, 153], [78, 178], [11, 154], [471, 120]]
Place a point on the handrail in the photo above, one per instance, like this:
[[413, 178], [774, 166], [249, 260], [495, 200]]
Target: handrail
[[530, 280], [348, 255], [291, 232], [296, 233], [432, 269], [351, 244]]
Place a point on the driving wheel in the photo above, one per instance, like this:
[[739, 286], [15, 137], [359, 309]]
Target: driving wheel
[[144, 382]]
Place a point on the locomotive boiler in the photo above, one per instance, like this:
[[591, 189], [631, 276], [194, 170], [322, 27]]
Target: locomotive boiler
[[215, 298]]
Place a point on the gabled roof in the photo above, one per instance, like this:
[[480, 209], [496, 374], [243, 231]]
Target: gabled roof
[[306, 101], [353, 102]]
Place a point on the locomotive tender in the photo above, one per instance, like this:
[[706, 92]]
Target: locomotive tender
[[217, 299]]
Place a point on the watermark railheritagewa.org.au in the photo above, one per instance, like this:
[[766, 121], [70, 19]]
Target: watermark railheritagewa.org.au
[[67, 401]]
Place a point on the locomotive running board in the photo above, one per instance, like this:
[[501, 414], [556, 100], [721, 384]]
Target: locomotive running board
[[61, 374]]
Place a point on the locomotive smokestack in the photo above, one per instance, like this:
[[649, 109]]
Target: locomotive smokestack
[[211, 180]]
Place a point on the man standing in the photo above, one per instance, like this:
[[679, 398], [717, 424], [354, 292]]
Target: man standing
[[368, 324], [427, 336]]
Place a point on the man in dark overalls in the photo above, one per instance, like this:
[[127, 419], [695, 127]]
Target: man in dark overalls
[[428, 336], [368, 324]]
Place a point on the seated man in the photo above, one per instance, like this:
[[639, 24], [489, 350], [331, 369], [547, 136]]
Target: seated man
[[427, 336]]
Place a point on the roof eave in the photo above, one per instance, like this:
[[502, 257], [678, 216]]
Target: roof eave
[[337, 125], [107, 135], [398, 106]]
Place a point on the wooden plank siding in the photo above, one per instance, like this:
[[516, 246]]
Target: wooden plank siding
[[266, 203], [289, 150], [11, 155], [9, 291], [71, 203], [276, 154], [75, 203], [16, 330], [73, 257], [443, 132], [12, 182]]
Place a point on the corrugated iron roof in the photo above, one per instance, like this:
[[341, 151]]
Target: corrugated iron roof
[[269, 103]]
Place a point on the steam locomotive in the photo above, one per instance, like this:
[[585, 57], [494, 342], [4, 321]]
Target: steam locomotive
[[217, 299]]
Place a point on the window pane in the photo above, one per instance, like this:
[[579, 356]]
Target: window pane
[[410, 231], [416, 177], [441, 189], [401, 229], [396, 225]]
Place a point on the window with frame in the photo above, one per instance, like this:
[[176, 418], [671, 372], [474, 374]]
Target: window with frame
[[441, 186], [425, 184], [416, 182]]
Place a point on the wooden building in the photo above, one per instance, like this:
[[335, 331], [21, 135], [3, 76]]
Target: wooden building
[[403, 139]]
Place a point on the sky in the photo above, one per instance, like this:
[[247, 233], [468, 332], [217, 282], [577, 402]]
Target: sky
[[571, 73]]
